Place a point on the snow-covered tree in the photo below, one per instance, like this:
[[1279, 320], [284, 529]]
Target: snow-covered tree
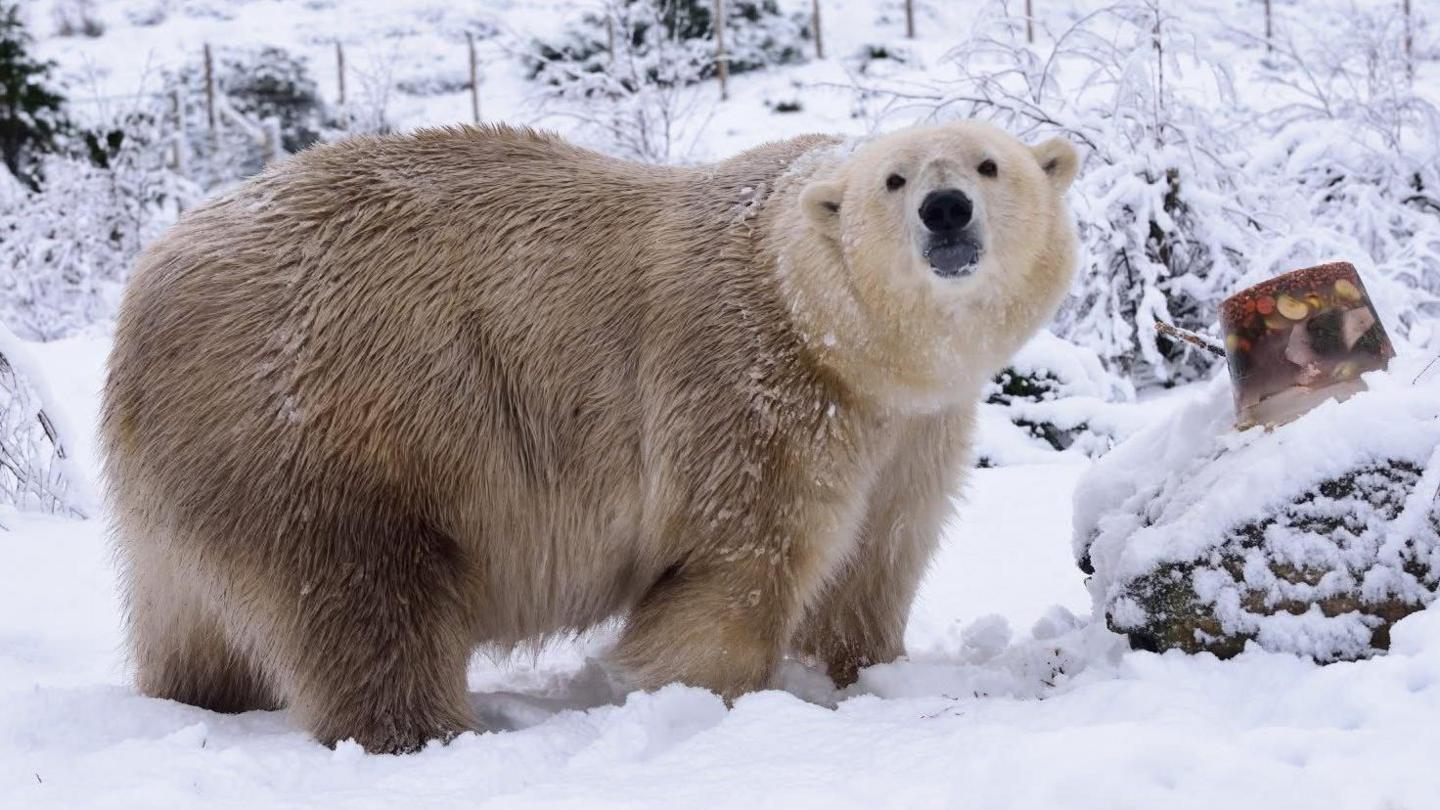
[[31, 110], [1359, 147]]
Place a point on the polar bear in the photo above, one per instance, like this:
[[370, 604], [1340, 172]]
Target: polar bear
[[404, 397]]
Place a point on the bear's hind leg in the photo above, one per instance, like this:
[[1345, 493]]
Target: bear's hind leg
[[375, 639], [180, 650], [200, 667]]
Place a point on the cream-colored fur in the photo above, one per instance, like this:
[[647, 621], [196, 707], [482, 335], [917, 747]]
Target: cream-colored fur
[[402, 397]]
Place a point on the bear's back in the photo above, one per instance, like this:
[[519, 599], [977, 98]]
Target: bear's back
[[343, 307], [434, 315]]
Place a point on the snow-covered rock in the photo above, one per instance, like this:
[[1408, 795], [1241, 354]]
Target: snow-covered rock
[[1313, 538]]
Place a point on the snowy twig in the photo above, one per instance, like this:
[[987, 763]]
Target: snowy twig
[[1425, 370], [1193, 338], [24, 457]]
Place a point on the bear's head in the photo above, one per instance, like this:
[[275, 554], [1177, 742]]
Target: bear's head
[[933, 254]]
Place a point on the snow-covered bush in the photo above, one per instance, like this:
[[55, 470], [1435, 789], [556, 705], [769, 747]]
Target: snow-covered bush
[[257, 90], [638, 103], [875, 56], [272, 83], [1313, 538], [74, 18], [36, 472], [622, 76], [757, 35], [148, 12], [68, 246], [1053, 396]]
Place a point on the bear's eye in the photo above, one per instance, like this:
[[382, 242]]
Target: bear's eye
[[894, 182], [988, 168]]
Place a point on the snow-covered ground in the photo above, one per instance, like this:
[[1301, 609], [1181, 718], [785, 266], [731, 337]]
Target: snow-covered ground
[[1009, 698]]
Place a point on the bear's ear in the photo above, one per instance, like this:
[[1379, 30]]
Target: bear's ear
[[820, 201], [1059, 160]]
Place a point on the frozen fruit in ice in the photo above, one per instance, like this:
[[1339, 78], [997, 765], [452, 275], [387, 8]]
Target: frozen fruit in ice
[[1354, 324], [1291, 308]]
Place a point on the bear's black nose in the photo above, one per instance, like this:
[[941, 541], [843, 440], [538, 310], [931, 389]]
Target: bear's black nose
[[946, 210]]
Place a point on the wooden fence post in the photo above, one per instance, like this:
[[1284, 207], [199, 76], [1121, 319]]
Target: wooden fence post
[[209, 88], [722, 67], [1029, 22], [474, 79], [340, 70], [178, 144], [271, 140], [910, 19], [1409, 41], [1159, 74], [610, 33], [1269, 29], [815, 22]]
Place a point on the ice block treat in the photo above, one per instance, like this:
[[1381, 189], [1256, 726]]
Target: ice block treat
[[1298, 339]]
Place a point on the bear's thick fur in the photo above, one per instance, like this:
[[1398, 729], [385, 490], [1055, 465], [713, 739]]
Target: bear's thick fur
[[402, 397]]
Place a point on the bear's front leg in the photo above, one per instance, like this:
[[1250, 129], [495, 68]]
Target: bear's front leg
[[719, 624], [750, 552], [859, 618], [754, 474]]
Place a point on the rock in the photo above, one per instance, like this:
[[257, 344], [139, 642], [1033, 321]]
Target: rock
[[1313, 538]]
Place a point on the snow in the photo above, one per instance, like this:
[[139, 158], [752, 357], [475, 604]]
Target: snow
[[75, 371], [1011, 697]]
